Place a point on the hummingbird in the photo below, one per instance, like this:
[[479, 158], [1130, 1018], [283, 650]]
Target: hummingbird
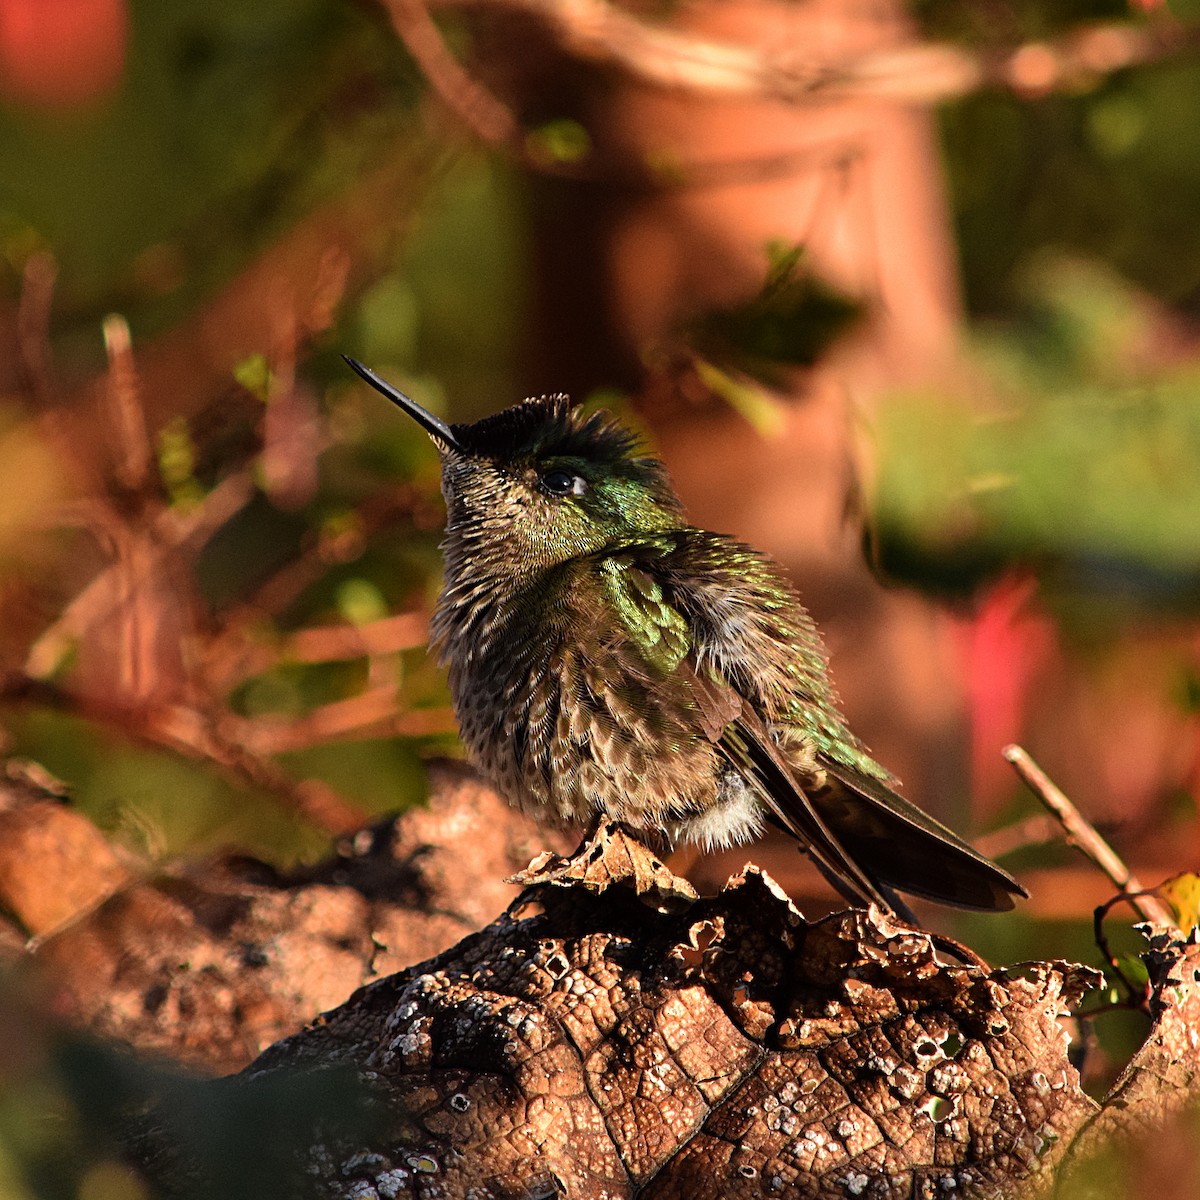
[[609, 660]]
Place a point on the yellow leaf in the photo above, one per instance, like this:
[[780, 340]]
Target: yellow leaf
[[1182, 893]]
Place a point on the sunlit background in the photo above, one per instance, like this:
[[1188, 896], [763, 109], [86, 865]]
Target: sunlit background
[[907, 296]]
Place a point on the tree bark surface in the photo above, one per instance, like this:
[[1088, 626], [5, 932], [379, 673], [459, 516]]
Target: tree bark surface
[[588, 1043]]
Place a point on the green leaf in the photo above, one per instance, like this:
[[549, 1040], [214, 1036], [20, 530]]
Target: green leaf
[[177, 463], [764, 411], [559, 141], [361, 602], [254, 374], [1134, 969], [790, 322]]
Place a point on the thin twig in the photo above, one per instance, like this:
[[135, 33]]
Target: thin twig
[[33, 324], [486, 116], [1101, 937], [1035, 830], [340, 643], [135, 456], [137, 607], [196, 735], [1083, 836], [371, 714], [912, 73]]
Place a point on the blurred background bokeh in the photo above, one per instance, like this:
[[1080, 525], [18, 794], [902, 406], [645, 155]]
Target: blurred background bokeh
[[907, 295]]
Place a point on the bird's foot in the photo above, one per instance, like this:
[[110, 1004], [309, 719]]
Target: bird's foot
[[610, 856]]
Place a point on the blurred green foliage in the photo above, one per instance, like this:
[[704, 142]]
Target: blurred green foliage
[[1109, 170], [448, 318], [231, 121], [1113, 174], [1079, 457], [792, 322]]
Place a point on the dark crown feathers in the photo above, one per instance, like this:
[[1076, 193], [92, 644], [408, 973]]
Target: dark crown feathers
[[547, 427]]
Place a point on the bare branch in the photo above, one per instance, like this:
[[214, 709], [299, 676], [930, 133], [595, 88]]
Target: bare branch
[[915, 73], [339, 643], [135, 457], [1083, 836], [482, 113], [372, 713], [193, 734]]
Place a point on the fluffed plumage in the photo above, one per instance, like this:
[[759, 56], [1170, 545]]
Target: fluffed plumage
[[607, 658]]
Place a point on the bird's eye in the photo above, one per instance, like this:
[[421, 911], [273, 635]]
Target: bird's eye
[[562, 483]]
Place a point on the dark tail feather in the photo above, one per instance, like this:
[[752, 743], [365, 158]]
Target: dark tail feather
[[791, 808], [866, 839], [883, 896], [895, 842]]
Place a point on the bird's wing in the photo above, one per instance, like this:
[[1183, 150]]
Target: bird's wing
[[747, 746], [654, 616], [754, 659], [901, 844]]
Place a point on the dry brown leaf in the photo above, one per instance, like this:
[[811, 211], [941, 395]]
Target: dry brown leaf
[[210, 962], [600, 1048], [1142, 1142]]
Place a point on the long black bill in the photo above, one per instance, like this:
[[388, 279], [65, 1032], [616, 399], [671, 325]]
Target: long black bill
[[434, 426]]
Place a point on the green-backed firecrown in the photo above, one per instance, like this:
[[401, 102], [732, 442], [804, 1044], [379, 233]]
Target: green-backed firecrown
[[608, 659]]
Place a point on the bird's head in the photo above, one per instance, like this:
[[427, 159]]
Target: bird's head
[[541, 482]]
